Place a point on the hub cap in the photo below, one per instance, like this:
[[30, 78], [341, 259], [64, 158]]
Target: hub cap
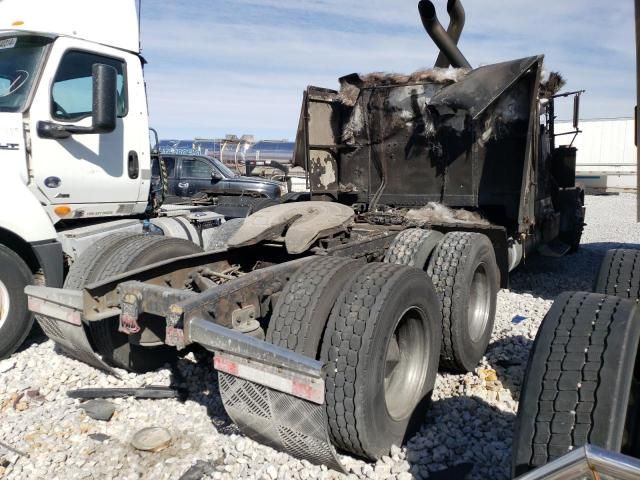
[[406, 364], [479, 303]]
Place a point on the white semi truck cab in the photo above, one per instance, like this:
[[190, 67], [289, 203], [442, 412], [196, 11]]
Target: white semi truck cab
[[74, 136]]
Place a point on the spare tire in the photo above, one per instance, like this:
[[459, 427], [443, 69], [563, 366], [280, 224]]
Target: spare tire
[[123, 255], [465, 274], [619, 274], [582, 383], [83, 267], [381, 349]]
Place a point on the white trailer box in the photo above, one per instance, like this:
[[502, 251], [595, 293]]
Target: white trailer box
[[606, 153]]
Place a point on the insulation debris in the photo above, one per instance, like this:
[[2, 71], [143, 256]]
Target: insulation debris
[[438, 213], [348, 188], [351, 85], [552, 85]]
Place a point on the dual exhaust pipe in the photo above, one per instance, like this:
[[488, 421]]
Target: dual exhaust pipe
[[445, 40]]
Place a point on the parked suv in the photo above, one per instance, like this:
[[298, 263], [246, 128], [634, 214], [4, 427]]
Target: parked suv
[[191, 174]]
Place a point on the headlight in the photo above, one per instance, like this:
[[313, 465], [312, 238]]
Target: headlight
[[283, 189]]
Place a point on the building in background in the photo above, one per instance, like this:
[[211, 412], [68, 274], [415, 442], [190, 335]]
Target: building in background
[[606, 159]]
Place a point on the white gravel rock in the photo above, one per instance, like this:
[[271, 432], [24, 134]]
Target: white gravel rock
[[467, 433]]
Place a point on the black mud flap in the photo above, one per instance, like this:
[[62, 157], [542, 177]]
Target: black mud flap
[[279, 420], [58, 313]]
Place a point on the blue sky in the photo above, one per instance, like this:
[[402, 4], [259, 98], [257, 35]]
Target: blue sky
[[240, 66]]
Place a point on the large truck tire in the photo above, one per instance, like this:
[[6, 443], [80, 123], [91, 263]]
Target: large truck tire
[[133, 252], [221, 235], [15, 319], [381, 348], [91, 258], [620, 274], [303, 308], [582, 383], [465, 274], [413, 247]]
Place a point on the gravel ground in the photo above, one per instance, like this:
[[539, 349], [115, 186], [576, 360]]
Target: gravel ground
[[466, 434]]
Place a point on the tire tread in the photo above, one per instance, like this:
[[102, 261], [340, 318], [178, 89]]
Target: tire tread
[[292, 323], [573, 383], [619, 274], [446, 272], [344, 338], [405, 246]]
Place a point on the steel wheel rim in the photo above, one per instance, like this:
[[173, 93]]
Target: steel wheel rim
[[479, 303], [406, 363], [5, 303]]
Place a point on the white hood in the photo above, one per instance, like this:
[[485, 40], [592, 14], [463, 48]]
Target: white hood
[[113, 22]]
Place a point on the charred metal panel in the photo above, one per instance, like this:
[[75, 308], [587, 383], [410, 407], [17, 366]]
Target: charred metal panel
[[482, 86], [462, 143], [323, 172], [503, 138], [323, 120], [300, 150], [466, 139], [390, 134], [529, 193], [318, 139]]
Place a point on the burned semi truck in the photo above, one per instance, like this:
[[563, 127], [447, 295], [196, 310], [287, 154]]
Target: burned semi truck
[[329, 318]]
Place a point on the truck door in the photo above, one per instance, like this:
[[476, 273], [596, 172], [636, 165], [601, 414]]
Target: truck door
[[197, 174], [95, 174]]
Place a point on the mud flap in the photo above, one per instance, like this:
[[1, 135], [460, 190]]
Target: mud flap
[[275, 396], [279, 420], [58, 312]]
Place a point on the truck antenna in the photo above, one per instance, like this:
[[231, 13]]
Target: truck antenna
[[140, 25]]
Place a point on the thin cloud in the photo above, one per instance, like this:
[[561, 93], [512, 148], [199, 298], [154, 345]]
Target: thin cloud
[[241, 66]]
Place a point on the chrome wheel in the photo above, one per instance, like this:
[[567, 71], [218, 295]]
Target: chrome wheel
[[406, 363], [479, 303]]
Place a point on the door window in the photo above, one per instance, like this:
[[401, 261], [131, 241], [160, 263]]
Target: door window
[[170, 164], [194, 168], [72, 92]]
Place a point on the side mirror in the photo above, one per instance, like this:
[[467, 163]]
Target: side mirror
[[105, 87], [215, 177], [576, 111], [104, 109]]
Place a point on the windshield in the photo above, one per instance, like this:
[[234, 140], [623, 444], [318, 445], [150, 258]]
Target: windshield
[[20, 58], [226, 171]]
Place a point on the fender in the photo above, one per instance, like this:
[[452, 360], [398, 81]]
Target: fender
[[21, 213], [26, 226]]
